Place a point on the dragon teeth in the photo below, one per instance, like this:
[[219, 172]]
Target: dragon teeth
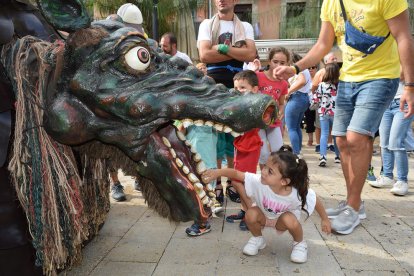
[[199, 122], [197, 157], [227, 129], [219, 127], [179, 162], [198, 186], [172, 151], [187, 143], [166, 142], [193, 150], [212, 195], [210, 204], [210, 188], [201, 167], [205, 200], [193, 178], [187, 122], [181, 136], [186, 170], [235, 134], [201, 193], [209, 123]]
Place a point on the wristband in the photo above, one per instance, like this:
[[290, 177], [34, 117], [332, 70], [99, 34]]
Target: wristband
[[223, 49], [409, 84], [296, 68]]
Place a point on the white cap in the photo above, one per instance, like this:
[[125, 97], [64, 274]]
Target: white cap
[[130, 14]]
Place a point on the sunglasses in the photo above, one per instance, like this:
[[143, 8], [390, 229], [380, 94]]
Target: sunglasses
[[313, 67]]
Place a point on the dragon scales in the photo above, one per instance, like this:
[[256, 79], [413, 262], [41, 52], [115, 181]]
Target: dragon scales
[[104, 93]]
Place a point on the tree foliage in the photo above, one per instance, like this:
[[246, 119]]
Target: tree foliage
[[167, 10]]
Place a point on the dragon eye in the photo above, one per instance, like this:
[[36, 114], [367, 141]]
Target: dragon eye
[[138, 58]]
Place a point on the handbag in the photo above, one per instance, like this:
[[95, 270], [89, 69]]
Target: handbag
[[358, 40], [314, 105]]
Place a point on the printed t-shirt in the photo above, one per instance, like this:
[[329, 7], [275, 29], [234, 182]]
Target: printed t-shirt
[[369, 16], [272, 88], [272, 204]]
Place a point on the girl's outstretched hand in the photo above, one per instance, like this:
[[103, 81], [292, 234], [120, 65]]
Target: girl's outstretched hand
[[210, 175], [326, 225], [283, 72]]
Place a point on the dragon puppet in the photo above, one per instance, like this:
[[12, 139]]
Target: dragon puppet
[[68, 105]]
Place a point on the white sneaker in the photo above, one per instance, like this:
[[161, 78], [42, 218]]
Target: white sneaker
[[299, 252], [400, 188], [382, 182], [254, 245], [334, 212]]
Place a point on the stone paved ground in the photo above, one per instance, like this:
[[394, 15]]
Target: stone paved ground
[[136, 241]]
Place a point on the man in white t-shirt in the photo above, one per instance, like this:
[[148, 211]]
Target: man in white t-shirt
[[168, 44], [216, 43]]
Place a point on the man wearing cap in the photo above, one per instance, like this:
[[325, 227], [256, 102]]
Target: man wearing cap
[[168, 45], [132, 16]]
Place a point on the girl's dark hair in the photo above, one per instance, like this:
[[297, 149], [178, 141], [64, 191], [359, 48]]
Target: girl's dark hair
[[296, 57], [279, 49], [331, 73], [294, 168]]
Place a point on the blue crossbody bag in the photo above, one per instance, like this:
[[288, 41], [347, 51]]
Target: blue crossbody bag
[[358, 40]]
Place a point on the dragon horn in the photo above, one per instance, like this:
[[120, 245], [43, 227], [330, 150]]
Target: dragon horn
[[67, 15]]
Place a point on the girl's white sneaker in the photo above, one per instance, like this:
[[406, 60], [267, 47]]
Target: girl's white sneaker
[[253, 245], [299, 252]]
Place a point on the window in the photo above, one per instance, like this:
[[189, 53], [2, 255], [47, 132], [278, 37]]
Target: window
[[244, 12]]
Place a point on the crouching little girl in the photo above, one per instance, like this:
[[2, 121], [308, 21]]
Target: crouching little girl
[[276, 198]]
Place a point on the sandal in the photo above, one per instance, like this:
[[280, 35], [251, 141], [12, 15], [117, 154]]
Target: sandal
[[219, 193], [231, 193], [236, 217]]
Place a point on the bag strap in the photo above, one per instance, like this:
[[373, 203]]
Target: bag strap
[[346, 18], [343, 11]]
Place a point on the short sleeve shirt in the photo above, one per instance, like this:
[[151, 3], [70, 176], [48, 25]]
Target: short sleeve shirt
[[276, 89], [226, 31], [272, 204], [370, 17]]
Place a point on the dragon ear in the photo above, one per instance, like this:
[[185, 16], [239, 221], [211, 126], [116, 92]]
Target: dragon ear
[[65, 15]]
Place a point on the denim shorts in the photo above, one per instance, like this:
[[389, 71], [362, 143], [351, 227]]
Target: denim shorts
[[360, 105]]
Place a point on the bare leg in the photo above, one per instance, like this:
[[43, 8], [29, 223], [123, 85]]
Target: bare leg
[[230, 162], [288, 221], [330, 137], [310, 139], [255, 219], [219, 163], [114, 176], [318, 135], [356, 153]]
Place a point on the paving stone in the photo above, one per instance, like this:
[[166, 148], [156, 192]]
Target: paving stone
[[124, 268], [136, 241], [93, 254]]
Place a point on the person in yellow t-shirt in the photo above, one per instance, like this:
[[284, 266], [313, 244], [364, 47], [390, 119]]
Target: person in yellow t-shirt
[[368, 83]]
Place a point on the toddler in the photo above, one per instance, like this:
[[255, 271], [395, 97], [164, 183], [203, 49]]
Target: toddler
[[275, 198], [246, 147]]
